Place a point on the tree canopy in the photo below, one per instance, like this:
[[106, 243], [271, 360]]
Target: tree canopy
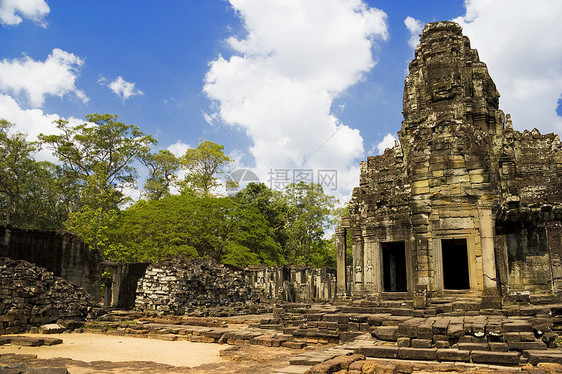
[[84, 194]]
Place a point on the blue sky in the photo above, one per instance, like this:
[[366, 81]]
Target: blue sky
[[289, 84]]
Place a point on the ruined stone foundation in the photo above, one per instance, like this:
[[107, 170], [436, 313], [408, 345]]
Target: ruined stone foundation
[[463, 205]]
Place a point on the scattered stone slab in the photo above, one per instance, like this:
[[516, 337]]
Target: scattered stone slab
[[544, 356], [379, 351], [496, 358], [453, 355], [51, 328], [388, 333], [417, 353]]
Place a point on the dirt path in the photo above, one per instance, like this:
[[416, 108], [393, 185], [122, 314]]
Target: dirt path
[[97, 353], [90, 347]]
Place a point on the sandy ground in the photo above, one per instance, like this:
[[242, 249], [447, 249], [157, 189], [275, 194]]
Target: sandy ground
[[90, 347], [97, 353]]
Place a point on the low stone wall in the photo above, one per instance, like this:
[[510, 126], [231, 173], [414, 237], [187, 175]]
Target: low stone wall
[[32, 296], [181, 286]]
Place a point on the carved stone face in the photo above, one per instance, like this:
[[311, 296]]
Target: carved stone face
[[443, 82]]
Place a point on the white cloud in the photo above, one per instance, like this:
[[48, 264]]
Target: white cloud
[[386, 142], [520, 42], [179, 148], [31, 122], [279, 85], [12, 11], [121, 87], [55, 76], [415, 27]]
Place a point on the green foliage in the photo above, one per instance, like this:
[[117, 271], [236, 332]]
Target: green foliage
[[205, 166], [220, 228], [162, 167], [308, 218], [94, 226], [17, 166], [98, 155], [271, 205]]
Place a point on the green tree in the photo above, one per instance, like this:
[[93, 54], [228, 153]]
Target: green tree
[[17, 166], [46, 199], [220, 228], [162, 168], [308, 218], [99, 154], [206, 165], [271, 205]]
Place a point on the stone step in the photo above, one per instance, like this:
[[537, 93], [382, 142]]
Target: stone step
[[495, 358], [544, 356]]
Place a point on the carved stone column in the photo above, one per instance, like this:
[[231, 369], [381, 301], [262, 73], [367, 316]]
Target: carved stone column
[[490, 294], [357, 266], [341, 246]]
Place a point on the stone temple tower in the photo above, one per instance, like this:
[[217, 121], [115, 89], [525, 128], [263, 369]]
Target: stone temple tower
[[445, 212]]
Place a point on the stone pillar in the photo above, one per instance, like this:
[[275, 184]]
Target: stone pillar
[[368, 268], [490, 294], [554, 235], [341, 245], [116, 285], [357, 266], [372, 265]]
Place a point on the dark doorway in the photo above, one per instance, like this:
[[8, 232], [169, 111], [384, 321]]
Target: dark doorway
[[394, 267], [455, 264]]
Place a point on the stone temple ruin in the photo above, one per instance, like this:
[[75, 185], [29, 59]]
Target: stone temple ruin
[[463, 205], [456, 253]]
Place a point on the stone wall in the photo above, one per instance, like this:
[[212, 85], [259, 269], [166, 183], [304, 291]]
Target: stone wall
[[293, 283], [63, 254], [181, 286], [32, 296]]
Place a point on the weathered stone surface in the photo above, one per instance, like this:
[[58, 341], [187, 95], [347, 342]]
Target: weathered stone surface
[[32, 296], [453, 355], [379, 351], [459, 180], [498, 358], [389, 333], [180, 285], [417, 353]]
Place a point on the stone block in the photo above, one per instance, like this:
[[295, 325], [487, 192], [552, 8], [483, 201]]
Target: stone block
[[455, 330], [442, 344], [379, 351], [519, 326], [428, 354], [527, 336], [421, 343], [440, 326], [453, 355], [536, 357], [498, 347], [425, 331], [525, 346], [294, 345], [26, 341], [404, 342], [388, 333], [496, 358], [511, 337], [51, 328], [473, 346]]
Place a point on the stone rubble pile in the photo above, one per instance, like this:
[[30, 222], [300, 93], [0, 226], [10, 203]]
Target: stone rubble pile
[[32, 296], [188, 286]]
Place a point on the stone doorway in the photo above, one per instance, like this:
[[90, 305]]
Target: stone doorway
[[454, 256], [394, 267]]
